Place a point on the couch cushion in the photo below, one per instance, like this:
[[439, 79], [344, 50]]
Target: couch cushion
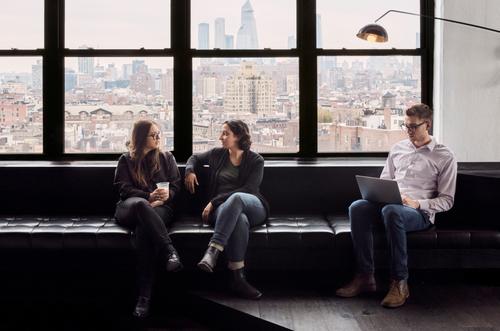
[[278, 232], [432, 238], [59, 233]]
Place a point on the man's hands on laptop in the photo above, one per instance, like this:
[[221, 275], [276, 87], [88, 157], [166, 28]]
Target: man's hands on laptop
[[410, 202]]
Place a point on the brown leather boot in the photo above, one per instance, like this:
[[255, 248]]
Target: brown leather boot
[[397, 295], [361, 283]]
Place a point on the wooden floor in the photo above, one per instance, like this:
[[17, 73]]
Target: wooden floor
[[432, 306], [438, 301]]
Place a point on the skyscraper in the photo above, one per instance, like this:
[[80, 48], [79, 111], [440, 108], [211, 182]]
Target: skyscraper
[[319, 32], [203, 36], [69, 79], [247, 33], [86, 64], [126, 71], [36, 74], [250, 91], [137, 66], [220, 33], [229, 41]]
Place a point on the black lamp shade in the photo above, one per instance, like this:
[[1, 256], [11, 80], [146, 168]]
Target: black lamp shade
[[373, 33]]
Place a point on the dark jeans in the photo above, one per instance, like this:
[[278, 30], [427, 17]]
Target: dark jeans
[[397, 220], [151, 236], [233, 220]]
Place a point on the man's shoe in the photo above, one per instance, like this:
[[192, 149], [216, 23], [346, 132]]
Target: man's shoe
[[209, 260], [241, 287], [361, 283], [142, 308], [173, 261], [397, 295]]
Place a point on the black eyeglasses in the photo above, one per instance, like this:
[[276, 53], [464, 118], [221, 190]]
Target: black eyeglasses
[[155, 135], [411, 127]]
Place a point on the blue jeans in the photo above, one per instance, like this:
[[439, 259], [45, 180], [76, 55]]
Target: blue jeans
[[397, 220], [233, 220]]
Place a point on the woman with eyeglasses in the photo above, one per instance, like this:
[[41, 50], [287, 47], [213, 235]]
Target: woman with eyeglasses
[[235, 201], [145, 208]]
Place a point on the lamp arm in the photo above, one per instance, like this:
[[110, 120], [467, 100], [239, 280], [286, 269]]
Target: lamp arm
[[437, 18]]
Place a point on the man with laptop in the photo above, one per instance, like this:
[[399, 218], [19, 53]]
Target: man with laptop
[[425, 173]]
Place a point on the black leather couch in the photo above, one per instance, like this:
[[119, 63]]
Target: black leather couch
[[58, 218]]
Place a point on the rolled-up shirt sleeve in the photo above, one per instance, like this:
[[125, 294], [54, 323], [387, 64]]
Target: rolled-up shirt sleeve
[[389, 168], [446, 186]]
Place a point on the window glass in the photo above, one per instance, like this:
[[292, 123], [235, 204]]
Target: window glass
[[105, 96]]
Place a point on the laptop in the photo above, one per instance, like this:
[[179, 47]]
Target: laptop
[[379, 190]]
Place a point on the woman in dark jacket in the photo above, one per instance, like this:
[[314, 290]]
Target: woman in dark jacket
[[146, 209], [235, 202]]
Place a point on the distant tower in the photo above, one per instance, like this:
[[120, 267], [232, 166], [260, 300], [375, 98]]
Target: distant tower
[[319, 32], [36, 74], [229, 41], [220, 33], [203, 38], [86, 64], [247, 34]]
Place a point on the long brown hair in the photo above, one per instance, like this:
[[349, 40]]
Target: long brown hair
[[240, 130], [145, 165]]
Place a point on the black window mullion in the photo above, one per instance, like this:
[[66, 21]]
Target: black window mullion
[[183, 79], [53, 80], [369, 52], [427, 7], [308, 101], [117, 52]]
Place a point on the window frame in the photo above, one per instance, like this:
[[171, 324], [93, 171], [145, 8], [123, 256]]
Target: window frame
[[54, 53]]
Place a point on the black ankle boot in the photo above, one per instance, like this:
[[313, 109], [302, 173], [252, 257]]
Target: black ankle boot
[[209, 260], [173, 261], [142, 308], [241, 287]]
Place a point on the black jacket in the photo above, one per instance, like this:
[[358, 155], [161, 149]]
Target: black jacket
[[249, 179], [127, 187]]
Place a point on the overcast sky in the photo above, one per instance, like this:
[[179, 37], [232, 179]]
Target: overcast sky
[[145, 23]]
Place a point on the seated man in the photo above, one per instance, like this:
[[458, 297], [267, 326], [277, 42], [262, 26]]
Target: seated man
[[426, 174]]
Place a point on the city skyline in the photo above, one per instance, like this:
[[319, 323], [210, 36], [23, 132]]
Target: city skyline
[[360, 98], [360, 101]]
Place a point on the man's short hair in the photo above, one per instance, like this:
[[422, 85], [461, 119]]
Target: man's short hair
[[421, 111]]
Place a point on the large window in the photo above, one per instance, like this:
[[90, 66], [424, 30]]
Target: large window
[[77, 74], [105, 96], [21, 23], [263, 92], [361, 101], [21, 107], [111, 24], [21, 67], [338, 21], [243, 24]]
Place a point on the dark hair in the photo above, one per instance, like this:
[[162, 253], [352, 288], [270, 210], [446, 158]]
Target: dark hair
[[240, 130], [420, 110], [143, 171]]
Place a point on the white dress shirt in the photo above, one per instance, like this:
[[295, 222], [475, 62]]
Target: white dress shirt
[[427, 174]]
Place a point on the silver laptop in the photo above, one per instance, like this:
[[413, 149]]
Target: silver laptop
[[379, 190]]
